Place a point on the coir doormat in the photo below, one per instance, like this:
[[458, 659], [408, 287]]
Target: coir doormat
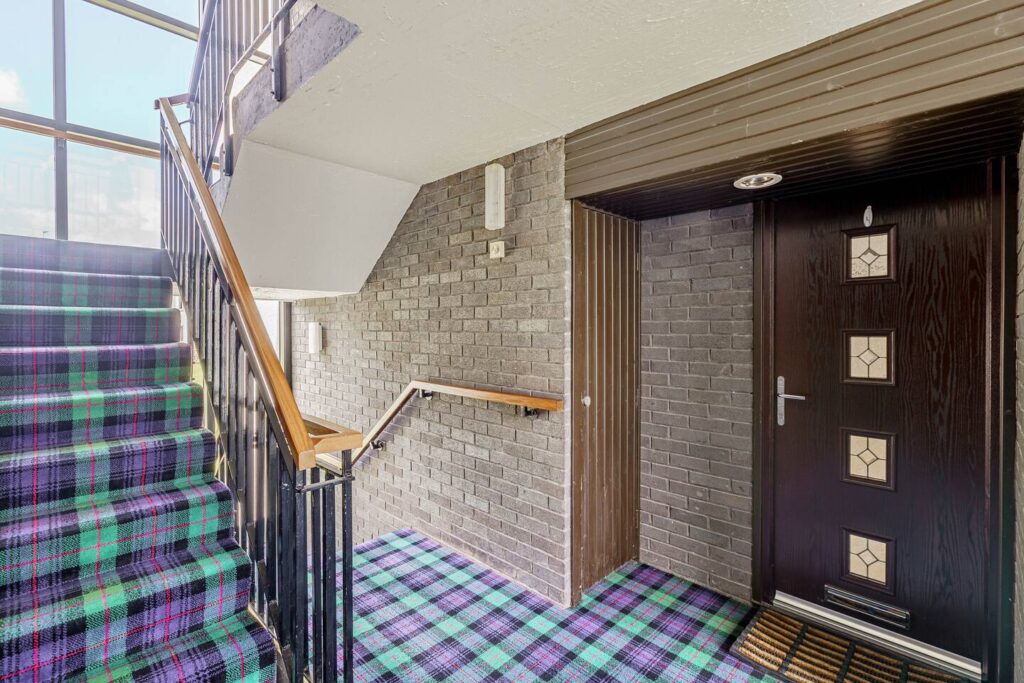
[[801, 653]]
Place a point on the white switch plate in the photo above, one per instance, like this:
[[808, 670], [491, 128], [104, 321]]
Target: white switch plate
[[497, 249]]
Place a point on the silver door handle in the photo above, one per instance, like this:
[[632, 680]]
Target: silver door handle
[[585, 401], [780, 400]]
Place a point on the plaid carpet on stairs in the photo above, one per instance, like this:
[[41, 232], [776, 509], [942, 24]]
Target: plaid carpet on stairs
[[426, 613], [118, 559]]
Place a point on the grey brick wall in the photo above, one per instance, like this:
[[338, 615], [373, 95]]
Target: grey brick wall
[[697, 397], [474, 475]]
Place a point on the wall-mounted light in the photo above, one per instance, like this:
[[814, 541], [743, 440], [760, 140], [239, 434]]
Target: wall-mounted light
[[757, 181], [494, 197], [315, 338]]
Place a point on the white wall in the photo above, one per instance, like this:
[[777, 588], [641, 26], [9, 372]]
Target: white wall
[[306, 227]]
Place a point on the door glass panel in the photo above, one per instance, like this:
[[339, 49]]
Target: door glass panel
[[869, 358], [868, 558], [113, 197], [869, 255], [26, 57], [868, 457], [26, 184], [118, 66]]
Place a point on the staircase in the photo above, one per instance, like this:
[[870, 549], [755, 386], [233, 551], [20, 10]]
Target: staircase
[[118, 556]]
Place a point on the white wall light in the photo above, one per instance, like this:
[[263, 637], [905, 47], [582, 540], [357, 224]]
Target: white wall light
[[315, 337], [494, 197]]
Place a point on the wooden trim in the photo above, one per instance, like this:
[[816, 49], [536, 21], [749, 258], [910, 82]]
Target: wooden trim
[[1003, 178], [552, 405], [606, 366], [763, 569], [329, 437], [938, 53], [73, 136], [266, 365]]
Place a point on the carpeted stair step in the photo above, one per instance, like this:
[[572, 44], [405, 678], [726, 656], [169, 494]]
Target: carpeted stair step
[[80, 326], [81, 257], [234, 649], [75, 542], [29, 422], [38, 369], [40, 480], [20, 286], [80, 625]]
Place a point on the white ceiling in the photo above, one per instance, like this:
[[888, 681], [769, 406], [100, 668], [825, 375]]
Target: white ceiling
[[432, 87]]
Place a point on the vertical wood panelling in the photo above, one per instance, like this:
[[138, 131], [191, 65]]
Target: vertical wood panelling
[[605, 457]]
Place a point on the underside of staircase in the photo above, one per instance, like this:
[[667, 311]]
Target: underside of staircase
[[118, 558]]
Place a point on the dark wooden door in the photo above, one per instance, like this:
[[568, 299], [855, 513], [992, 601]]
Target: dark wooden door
[[605, 388], [883, 320]]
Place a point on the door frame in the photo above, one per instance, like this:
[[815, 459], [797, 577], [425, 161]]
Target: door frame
[[1000, 391]]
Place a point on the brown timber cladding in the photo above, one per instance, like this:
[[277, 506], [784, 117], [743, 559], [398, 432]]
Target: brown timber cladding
[[935, 54], [606, 441]]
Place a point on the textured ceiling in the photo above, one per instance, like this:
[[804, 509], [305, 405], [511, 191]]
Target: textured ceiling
[[432, 87]]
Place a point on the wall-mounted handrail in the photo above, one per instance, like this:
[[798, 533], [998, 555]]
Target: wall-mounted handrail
[[273, 384], [525, 401]]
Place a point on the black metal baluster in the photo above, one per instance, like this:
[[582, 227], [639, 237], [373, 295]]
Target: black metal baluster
[[347, 593], [328, 584], [316, 538]]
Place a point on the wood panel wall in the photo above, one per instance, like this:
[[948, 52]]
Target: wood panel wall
[[606, 439], [935, 54]]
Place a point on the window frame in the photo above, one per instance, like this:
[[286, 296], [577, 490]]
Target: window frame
[[59, 129]]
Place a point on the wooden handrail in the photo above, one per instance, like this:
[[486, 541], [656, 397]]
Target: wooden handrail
[[328, 437], [552, 405], [267, 367]]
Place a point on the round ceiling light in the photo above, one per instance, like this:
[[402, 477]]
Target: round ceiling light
[[757, 181]]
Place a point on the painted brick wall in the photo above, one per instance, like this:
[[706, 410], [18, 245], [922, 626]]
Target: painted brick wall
[[697, 396], [474, 475]]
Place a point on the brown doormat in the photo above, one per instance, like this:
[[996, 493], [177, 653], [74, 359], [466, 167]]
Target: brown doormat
[[800, 653]]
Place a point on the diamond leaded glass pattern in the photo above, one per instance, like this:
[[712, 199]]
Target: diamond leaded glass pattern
[[868, 457], [869, 256], [868, 358], [868, 558]]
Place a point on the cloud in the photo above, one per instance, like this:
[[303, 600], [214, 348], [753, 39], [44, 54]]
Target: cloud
[[11, 93]]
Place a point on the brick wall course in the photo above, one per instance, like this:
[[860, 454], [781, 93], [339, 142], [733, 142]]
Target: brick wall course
[[474, 475], [697, 396]]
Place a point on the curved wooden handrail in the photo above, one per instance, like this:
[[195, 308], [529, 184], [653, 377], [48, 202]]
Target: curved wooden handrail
[[266, 365], [552, 405]]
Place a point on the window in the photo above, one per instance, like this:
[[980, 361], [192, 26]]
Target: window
[[26, 58], [270, 311], [72, 72], [117, 67], [183, 10], [26, 184], [113, 197]]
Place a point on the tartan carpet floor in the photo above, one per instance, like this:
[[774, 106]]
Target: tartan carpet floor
[[118, 558], [426, 613]]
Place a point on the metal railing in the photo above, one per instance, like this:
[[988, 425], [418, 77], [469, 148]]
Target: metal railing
[[230, 35], [284, 502]]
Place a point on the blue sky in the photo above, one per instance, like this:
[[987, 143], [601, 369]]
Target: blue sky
[[116, 67]]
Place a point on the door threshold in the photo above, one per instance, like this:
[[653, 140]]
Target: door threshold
[[874, 635]]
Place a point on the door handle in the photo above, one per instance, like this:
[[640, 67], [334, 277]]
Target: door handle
[[780, 400], [585, 401]]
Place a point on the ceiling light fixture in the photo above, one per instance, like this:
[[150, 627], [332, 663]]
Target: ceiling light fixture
[[757, 181]]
